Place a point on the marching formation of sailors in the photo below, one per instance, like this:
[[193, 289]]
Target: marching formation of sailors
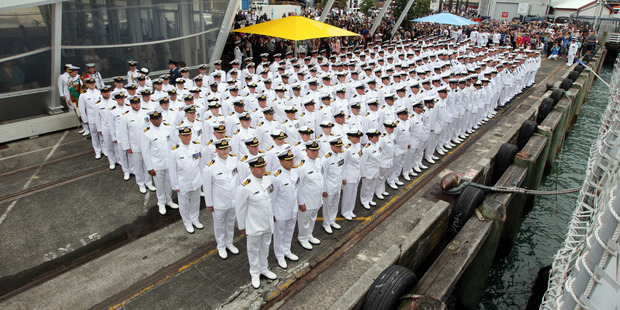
[[269, 146]]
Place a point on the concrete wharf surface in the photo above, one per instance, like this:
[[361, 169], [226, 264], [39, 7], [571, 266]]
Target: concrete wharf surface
[[91, 240]]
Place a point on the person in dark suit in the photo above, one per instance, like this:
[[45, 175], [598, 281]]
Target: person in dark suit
[[174, 71]]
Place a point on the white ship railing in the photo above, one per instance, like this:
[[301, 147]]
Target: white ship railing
[[583, 274]]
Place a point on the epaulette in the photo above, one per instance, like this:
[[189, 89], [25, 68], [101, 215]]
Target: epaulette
[[295, 166], [302, 114], [348, 117], [208, 118], [269, 149], [301, 163], [196, 142], [175, 147], [236, 132], [210, 141], [321, 108], [246, 182], [180, 123], [232, 154], [267, 173], [261, 124], [211, 162], [145, 109], [197, 120], [166, 124], [261, 152], [328, 154], [278, 172], [348, 145], [296, 144], [284, 122], [112, 108], [244, 158], [231, 114], [367, 113], [227, 137], [383, 135], [368, 145], [125, 112], [147, 129], [319, 137]]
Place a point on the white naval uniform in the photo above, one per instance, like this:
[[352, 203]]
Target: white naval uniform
[[284, 201], [156, 142], [132, 125], [352, 174], [220, 181], [89, 106], [333, 174], [254, 214], [309, 194], [184, 165], [120, 156], [369, 166]]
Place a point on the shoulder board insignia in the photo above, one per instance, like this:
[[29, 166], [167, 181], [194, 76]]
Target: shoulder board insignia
[[112, 108], [348, 145], [296, 144], [231, 113], [383, 135], [278, 172], [227, 136], [175, 147], [196, 142], [232, 154], [301, 163], [367, 113], [285, 122], [208, 118], [236, 132], [211, 162], [145, 109], [210, 141], [246, 182], [267, 173], [125, 112], [302, 114], [244, 158], [269, 149], [328, 155], [261, 152], [368, 145], [319, 136], [147, 129], [166, 124], [180, 123], [261, 124]]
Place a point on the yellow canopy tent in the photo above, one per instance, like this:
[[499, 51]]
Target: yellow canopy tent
[[296, 28]]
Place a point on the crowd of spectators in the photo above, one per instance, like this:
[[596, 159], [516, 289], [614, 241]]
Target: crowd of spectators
[[548, 37]]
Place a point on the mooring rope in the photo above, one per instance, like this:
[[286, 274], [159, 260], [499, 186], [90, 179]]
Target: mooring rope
[[502, 189]]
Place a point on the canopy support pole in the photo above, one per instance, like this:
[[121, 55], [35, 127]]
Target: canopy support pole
[[386, 5], [326, 9], [222, 35], [402, 16]]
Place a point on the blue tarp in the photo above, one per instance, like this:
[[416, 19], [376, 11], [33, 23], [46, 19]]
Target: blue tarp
[[445, 18]]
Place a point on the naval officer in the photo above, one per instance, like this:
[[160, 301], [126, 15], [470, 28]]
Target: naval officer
[[284, 200], [184, 164], [255, 217], [220, 184]]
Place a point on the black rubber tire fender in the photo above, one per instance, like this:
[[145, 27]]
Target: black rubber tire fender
[[544, 109], [386, 291], [525, 133], [573, 75], [464, 208], [579, 68], [504, 158], [557, 95], [566, 84]]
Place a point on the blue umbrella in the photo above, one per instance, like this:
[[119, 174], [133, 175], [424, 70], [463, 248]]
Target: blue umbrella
[[445, 18]]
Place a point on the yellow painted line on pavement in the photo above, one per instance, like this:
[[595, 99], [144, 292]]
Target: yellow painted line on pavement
[[168, 276]]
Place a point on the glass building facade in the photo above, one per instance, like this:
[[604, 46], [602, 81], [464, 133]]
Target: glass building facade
[[105, 32]]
